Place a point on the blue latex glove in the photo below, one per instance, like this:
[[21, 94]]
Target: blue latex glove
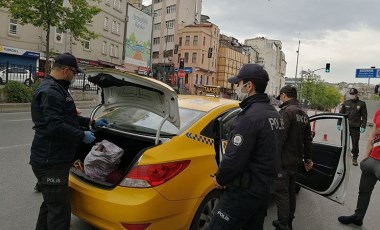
[[339, 127], [362, 130], [101, 122], [89, 137]]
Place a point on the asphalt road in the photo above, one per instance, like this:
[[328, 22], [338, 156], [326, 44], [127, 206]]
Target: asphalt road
[[19, 204]]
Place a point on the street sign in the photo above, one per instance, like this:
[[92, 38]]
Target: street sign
[[181, 73], [367, 73]]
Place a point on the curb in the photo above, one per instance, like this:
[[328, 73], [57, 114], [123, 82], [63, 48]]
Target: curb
[[25, 107]]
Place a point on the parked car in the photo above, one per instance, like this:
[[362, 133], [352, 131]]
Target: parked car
[[172, 144], [81, 82], [16, 74]]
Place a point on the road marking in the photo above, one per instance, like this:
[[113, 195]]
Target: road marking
[[14, 146], [22, 120]]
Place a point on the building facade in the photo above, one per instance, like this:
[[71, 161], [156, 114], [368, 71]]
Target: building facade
[[273, 59], [169, 16], [26, 44], [194, 43]]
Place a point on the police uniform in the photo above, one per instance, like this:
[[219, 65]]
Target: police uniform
[[356, 111], [249, 165], [297, 143], [57, 132]]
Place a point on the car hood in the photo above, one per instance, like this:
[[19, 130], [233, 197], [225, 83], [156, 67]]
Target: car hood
[[121, 89]]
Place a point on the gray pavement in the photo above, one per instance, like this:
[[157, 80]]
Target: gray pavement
[[19, 204]]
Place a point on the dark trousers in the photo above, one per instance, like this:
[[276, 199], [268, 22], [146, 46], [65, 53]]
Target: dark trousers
[[285, 196], [355, 136], [239, 209], [55, 210], [370, 175]]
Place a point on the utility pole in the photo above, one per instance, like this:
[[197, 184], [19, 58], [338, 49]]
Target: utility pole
[[298, 54]]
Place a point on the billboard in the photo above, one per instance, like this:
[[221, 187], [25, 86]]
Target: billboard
[[138, 37]]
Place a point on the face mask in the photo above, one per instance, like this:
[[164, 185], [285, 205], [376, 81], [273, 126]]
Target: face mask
[[352, 97], [241, 96]]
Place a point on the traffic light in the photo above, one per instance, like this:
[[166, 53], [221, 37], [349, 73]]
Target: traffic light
[[327, 68], [209, 55], [181, 63]]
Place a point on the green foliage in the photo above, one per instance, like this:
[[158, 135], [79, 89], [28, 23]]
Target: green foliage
[[17, 92], [71, 17], [319, 94]]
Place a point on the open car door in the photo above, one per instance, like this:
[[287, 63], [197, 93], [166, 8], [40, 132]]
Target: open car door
[[331, 157], [222, 127]]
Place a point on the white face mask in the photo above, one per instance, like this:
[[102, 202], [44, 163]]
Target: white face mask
[[352, 97], [241, 96]]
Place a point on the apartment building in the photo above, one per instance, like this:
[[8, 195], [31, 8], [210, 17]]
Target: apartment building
[[169, 16], [231, 56], [25, 44], [273, 59]]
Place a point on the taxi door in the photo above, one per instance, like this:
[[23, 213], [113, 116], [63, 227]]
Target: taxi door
[[331, 157]]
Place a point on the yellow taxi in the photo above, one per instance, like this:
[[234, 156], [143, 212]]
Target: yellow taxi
[[172, 145], [170, 153]]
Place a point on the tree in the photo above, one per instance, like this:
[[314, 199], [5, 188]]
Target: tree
[[71, 15]]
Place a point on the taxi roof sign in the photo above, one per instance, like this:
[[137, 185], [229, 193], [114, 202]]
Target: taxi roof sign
[[211, 90]]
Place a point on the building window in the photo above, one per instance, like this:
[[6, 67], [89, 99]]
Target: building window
[[170, 9], [201, 82], [196, 79], [157, 13], [170, 38], [207, 80], [168, 53], [157, 1], [194, 58], [87, 44], [105, 25], [117, 4], [186, 57], [179, 57], [118, 28], [180, 41], [170, 24], [116, 51], [187, 41], [204, 41], [13, 26], [104, 47], [156, 41], [156, 54], [113, 28], [108, 2], [111, 49], [157, 26], [203, 58], [58, 35], [195, 41]]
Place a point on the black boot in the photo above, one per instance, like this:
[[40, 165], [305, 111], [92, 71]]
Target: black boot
[[351, 220]]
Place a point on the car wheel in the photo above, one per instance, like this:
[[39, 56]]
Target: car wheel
[[203, 215], [27, 82], [87, 87]]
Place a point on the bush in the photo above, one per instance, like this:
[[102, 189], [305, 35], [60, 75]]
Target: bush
[[17, 92]]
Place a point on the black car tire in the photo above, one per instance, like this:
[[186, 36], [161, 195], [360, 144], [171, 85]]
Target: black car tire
[[87, 87], [205, 210], [27, 82]]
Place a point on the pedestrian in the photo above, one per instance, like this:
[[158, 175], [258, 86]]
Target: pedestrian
[[357, 117], [296, 148], [370, 167], [57, 133], [250, 164]]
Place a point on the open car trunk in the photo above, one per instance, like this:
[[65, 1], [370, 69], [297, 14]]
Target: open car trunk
[[133, 147]]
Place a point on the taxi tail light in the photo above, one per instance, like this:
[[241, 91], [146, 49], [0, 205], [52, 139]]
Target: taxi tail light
[[135, 226], [146, 176]]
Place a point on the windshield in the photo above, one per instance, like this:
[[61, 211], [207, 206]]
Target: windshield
[[134, 119]]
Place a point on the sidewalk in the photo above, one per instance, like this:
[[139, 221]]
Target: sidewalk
[[25, 107]]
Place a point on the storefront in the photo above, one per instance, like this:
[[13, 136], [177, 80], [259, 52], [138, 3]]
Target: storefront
[[20, 57]]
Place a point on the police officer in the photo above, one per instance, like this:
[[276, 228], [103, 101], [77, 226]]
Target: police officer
[[296, 147], [57, 133], [248, 168], [357, 117]]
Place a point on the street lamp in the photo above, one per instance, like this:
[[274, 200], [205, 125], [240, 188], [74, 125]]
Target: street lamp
[[298, 54]]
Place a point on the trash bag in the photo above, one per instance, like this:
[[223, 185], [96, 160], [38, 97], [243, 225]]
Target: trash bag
[[103, 159]]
